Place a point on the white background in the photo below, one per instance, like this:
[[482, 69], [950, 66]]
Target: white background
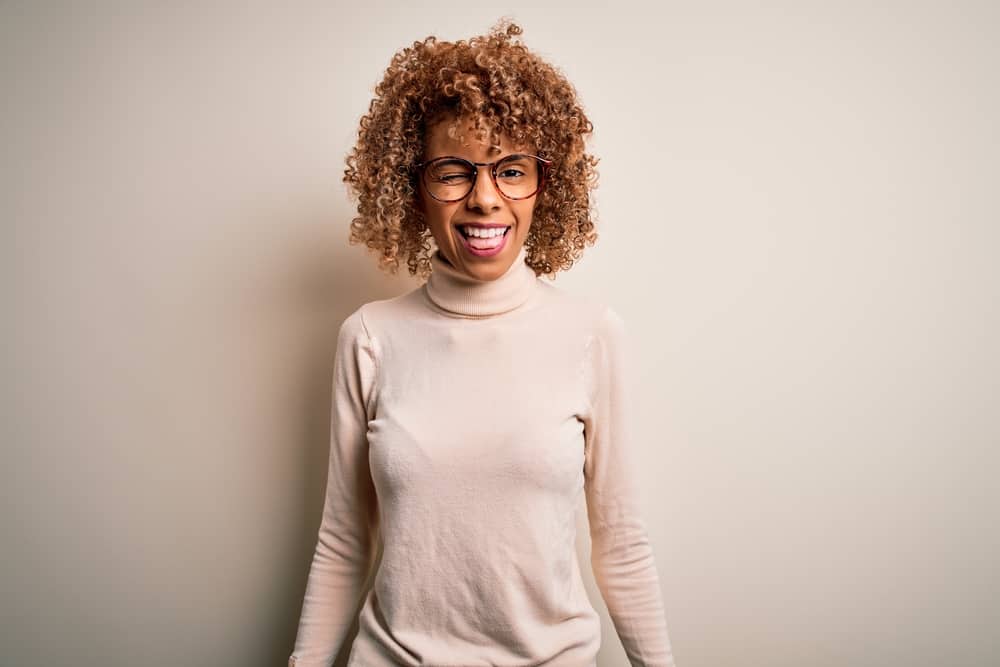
[[799, 223]]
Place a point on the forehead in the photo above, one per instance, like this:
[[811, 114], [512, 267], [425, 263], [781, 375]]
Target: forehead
[[462, 141]]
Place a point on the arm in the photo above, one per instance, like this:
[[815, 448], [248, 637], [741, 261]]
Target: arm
[[621, 556], [347, 533]]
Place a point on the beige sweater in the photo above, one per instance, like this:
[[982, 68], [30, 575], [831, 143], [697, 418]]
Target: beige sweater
[[468, 418]]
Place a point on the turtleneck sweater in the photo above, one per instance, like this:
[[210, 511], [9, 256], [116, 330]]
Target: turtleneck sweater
[[468, 419]]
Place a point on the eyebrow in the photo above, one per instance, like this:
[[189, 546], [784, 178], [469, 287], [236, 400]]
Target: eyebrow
[[521, 154]]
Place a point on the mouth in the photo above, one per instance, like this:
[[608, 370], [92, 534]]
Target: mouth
[[483, 231], [483, 240]]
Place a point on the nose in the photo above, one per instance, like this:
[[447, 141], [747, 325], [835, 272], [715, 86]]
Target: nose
[[484, 195]]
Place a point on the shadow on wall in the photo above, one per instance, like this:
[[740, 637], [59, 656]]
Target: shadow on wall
[[336, 289]]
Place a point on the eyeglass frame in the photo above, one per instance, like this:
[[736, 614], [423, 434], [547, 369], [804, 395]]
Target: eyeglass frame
[[542, 177]]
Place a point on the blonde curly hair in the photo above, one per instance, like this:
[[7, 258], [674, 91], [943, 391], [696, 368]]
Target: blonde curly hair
[[506, 89]]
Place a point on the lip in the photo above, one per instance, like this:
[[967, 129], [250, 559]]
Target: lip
[[475, 252]]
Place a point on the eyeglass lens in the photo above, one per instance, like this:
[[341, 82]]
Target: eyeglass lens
[[451, 179]]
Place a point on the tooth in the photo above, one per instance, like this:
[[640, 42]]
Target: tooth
[[483, 232]]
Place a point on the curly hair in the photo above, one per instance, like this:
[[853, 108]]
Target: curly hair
[[505, 89]]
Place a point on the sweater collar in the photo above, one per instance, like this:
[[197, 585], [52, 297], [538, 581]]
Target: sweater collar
[[461, 294]]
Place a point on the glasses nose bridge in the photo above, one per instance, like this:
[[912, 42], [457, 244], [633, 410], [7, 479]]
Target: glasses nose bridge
[[490, 178]]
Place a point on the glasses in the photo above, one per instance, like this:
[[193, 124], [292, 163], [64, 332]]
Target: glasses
[[450, 179]]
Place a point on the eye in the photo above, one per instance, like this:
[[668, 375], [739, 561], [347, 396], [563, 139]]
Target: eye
[[511, 172], [456, 177], [515, 168], [449, 172]]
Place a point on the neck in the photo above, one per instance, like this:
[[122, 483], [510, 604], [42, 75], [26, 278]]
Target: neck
[[461, 294]]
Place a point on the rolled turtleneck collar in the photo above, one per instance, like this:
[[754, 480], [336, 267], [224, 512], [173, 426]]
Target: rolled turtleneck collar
[[461, 294]]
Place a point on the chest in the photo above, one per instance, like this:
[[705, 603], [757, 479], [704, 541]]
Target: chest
[[481, 407]]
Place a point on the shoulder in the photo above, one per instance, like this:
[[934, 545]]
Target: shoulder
[[589, 314], [607, 345], [354, 325], [597, 327], [609, 327], [373, 318], [600, 320], [608, 339]]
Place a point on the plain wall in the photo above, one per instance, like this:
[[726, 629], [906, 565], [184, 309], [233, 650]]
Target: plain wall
[[799, 224]]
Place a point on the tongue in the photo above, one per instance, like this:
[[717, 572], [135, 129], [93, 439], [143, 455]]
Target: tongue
[[485, 244]]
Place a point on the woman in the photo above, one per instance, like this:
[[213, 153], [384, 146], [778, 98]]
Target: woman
[[471, 413]]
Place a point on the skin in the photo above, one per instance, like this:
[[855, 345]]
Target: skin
[[483, 205]]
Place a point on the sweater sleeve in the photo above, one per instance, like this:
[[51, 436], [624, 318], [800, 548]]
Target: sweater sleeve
[[348, 531], [621, 554]]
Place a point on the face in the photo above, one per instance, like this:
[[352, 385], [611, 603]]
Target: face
[[483, 206]]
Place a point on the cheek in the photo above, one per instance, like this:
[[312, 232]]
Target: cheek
[[434, 212], [424, 205], [525, 211], [438, 216]]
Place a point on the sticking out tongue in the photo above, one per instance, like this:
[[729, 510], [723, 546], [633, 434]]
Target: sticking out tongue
[[484, 244]]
